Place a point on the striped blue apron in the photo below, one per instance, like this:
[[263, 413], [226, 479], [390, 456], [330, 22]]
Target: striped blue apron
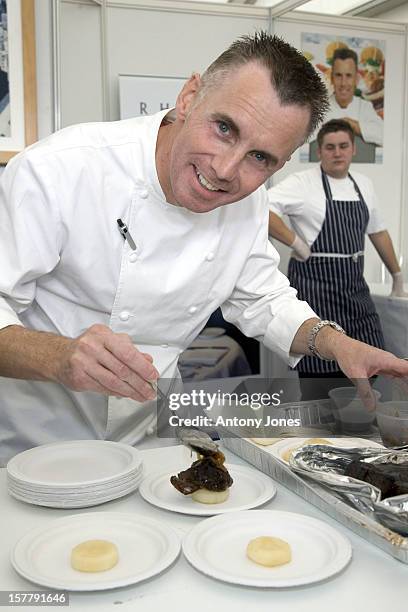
[[332, 280]]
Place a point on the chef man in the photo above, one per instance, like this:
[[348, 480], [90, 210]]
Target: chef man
[[359, 113], [118, 240], [331, 210]]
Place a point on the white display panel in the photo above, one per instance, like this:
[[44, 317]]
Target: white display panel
[[145, 95]]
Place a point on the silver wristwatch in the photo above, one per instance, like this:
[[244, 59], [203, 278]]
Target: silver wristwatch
[[311, 343]]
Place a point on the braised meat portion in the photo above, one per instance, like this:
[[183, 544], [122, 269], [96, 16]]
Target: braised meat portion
[[390, 478], [206, 473]]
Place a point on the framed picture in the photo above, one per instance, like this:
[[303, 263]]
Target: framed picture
[[18, 99], [353, 70]]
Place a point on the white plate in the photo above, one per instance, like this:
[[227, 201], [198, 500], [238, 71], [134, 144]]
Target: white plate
[[79, 489], [146, 547], [217, 547], [77, 463], [72, 501], [280, 448], [211, 332], [250, 489], [60, 492]]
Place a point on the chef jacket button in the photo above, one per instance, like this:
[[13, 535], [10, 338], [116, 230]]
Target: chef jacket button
[[210, 256], [192, 309], [133, 257], [165, 346], [144, 193], [124, 315], [150, 430]]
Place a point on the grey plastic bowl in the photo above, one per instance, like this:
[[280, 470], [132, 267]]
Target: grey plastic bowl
[[349, 412], [392, 421]]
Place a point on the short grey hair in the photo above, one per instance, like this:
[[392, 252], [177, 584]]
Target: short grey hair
[[293, 77]]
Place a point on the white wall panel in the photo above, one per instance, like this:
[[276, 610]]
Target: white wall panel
[[81, 63], [165, 43]]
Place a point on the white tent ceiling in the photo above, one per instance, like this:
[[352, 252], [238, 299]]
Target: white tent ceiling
[[363, 8]]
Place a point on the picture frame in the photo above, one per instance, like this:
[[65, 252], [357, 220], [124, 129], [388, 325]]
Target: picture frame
[[365, 61], [18, 104]]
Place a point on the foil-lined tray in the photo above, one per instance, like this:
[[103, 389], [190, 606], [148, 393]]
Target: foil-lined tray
[[326, 464], [356, 505]]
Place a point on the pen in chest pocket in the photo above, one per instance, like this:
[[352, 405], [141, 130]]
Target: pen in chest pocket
[[124, 230]]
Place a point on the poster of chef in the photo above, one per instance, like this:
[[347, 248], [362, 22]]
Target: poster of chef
[[353, 70]]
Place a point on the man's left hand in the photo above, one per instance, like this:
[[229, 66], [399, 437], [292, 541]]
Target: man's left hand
[[398, 286], [359, 362]]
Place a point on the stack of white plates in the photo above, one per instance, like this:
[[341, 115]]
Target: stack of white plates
[[74, 474]]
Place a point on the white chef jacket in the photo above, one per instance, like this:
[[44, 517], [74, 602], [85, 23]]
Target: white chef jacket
[[65, 266], [371, 125], [301, 197]]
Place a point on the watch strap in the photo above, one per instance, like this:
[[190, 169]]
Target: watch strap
[[311, 343]]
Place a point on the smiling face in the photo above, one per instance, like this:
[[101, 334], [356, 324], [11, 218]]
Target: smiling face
[[223, 146], [344, 78], [336, 153]]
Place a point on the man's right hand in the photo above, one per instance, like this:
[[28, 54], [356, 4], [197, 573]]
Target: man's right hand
[[301, 249], [106, 362]]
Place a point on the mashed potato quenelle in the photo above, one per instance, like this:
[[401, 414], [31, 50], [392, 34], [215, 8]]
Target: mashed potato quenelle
[[269, 551], [94, 556], [204, 496]]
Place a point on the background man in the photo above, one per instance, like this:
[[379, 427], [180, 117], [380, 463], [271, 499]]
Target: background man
[[331, 211], [89, 317]]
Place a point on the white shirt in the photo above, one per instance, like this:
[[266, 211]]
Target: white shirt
[[371, 125], [65, 266], [301, 197]]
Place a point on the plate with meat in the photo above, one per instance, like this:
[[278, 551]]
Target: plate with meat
[[208, 487]]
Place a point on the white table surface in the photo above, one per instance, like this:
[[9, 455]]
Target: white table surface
[[373, 581]]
